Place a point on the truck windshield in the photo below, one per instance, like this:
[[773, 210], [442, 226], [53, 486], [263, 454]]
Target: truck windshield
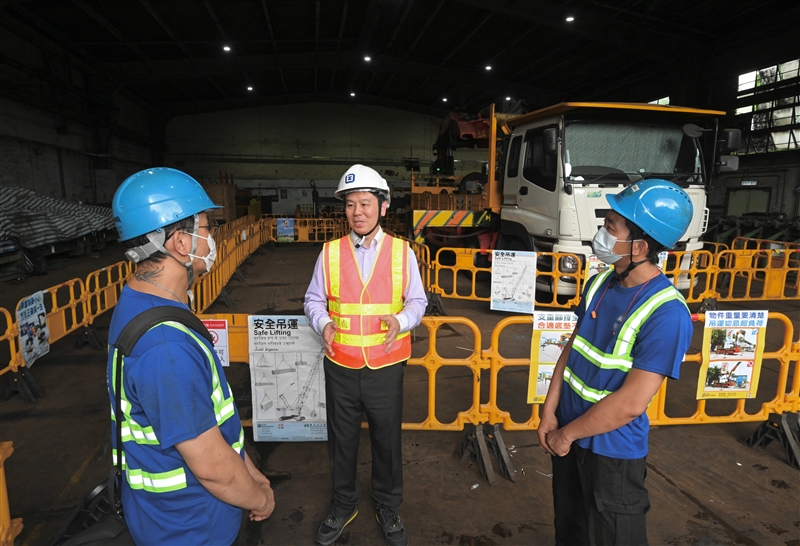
[[633, 151]]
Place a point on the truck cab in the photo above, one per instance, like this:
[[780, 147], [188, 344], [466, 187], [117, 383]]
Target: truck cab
[[559, 163]]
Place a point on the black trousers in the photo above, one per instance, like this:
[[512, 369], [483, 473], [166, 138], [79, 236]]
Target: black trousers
[[349, 394], [599, 500]]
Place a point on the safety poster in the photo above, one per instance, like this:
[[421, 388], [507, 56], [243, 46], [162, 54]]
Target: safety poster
[[34, 336], [733, 346], [288, 380], [285, 229], [513, 281], [219, 337], [551, 333]]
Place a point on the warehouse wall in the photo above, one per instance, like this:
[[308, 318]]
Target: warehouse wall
[[283, 147], [60, 134], [772, 179]]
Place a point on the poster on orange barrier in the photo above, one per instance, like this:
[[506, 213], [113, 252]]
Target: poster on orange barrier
[[287, 379], [551, 333], [733, 346]]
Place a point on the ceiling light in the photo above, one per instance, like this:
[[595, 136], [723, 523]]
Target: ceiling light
[[368, 58], [249, 87], [352, 94], [226, 48], [444, 99], [488, 67], [508, 98], [570, 19]]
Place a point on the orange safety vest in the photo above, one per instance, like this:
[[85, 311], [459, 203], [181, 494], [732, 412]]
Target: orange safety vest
[[355, 305]]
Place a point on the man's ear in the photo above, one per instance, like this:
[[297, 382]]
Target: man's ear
[[644, 249], [384, 208], [181, 243]]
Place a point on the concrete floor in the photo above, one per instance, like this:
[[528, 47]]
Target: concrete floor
[[706, 487]]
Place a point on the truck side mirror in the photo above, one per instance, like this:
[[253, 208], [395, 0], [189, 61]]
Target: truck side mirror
[[730, 140], [550, 140], [728, 163]]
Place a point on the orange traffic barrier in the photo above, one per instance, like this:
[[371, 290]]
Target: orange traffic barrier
[[9, 528]]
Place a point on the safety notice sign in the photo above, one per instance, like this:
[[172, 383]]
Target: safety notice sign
[[287, 379]]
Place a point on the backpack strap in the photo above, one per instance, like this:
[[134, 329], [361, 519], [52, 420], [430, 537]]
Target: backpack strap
[[142, 322]]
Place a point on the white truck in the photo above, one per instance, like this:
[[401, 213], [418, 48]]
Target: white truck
[[544, 189], [561, 162]]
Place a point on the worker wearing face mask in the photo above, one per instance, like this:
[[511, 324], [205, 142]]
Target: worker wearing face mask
[[186, 475], [633, 330]]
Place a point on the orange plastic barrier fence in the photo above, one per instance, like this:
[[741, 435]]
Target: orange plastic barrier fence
[[10, 342], [9, 528], [783, 401], [728, 275], [514, 392]]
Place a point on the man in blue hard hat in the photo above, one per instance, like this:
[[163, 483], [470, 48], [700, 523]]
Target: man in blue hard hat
[[186, 474], [633, 330]]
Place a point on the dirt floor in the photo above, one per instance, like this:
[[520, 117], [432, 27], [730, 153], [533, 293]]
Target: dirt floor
[[706, 486]]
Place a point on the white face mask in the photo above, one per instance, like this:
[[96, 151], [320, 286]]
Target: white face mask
[[603, 245], [209, 258]]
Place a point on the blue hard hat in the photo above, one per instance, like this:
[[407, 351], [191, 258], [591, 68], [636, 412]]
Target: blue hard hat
[[662, 209], [154, 198]]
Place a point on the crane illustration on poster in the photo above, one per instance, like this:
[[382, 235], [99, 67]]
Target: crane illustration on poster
[[513, 281], [287, 380], [733, 346], [551, 333]]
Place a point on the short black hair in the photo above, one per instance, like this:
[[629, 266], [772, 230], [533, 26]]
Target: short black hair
[[169, 230], [653, 246]]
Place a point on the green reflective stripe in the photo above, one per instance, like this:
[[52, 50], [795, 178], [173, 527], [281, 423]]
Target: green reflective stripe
[[376, 309], [629, 330], [114, 458], [133, 431], [397, 272], [156, 482], [599, 358], [333, 267], [601, 277], [581, 389], [239, 444], [356, 340]]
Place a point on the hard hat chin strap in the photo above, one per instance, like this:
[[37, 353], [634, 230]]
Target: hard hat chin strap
[[631, 266], [367, 234]]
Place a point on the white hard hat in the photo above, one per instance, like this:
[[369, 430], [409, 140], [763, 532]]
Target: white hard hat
[[362, 178]]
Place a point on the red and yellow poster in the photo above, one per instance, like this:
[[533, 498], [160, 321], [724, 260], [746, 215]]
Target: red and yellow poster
[[551, 333], [733, 345]]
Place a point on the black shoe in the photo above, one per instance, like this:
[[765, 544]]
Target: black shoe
[[393, 529], [331, 529]]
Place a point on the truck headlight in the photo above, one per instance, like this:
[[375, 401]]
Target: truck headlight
[[568, 264]]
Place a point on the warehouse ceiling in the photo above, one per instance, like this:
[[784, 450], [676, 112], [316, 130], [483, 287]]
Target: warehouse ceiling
[[169, 54]]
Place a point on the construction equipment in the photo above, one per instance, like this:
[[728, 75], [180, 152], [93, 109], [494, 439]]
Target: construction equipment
[[548, 172]]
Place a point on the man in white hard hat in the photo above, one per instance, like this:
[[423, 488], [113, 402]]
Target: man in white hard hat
[[364, 298]]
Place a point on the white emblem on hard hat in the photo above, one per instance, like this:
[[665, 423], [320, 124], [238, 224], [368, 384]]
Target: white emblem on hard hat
[[350, 178]]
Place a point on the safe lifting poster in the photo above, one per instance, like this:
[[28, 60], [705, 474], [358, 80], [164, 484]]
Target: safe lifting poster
[[288, 380], [513, 281], [733, 346], [551, 333]]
